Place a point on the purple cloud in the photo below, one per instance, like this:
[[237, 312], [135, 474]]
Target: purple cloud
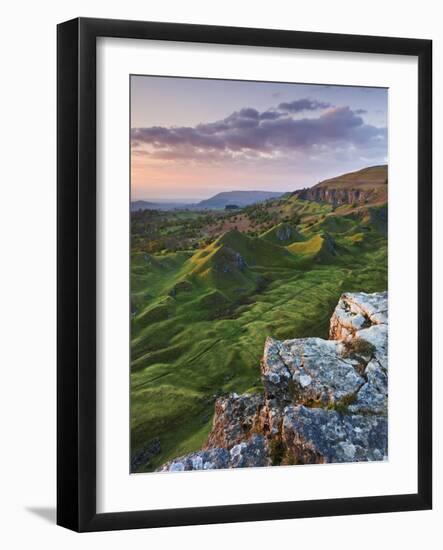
[[270, 115], [248, 112], [273, 132], [304, 104]]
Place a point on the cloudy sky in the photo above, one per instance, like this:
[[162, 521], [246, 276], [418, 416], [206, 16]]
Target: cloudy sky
[[192, 138]]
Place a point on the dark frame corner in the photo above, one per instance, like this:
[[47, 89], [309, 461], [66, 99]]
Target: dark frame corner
[[76, 273]]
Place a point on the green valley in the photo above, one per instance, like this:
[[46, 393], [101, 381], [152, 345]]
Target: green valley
[[208, 287]]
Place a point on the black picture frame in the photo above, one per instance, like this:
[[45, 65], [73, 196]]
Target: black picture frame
[[76, 266]]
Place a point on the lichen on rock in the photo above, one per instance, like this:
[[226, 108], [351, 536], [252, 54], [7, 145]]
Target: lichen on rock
[[251, 453], [308, 371], [315, 435], [356, 311]]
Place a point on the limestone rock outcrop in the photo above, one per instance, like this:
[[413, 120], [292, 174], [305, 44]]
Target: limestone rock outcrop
[[323, 400], [251, 453], [315, 435], [357, 311], [309, 371], [236, 418]]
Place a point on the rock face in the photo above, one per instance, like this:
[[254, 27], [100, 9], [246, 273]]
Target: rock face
[[338, 197], [361, 320], [309, 371], [321, 435], [358, 311], [227, 430], [284, 233], [323, 401]]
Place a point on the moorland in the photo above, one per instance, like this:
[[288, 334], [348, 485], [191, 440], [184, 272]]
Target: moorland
[[209, 285]]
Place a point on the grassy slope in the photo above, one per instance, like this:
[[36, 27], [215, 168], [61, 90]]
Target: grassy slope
[[200, 320], [367, 178]]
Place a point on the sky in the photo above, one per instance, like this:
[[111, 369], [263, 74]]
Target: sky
[[192, 138]]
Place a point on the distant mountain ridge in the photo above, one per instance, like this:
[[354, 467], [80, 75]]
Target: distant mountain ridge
[[220, 200], [148, 205], [239, 198]]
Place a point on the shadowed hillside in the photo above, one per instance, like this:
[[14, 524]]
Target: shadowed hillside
[[282, 234]]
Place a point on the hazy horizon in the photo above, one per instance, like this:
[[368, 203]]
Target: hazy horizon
[[191, 138], [190, 200]]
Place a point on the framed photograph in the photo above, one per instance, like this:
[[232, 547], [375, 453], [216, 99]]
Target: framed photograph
[[244, 333]]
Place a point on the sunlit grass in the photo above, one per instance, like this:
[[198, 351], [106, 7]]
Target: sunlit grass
[[201, 318]]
